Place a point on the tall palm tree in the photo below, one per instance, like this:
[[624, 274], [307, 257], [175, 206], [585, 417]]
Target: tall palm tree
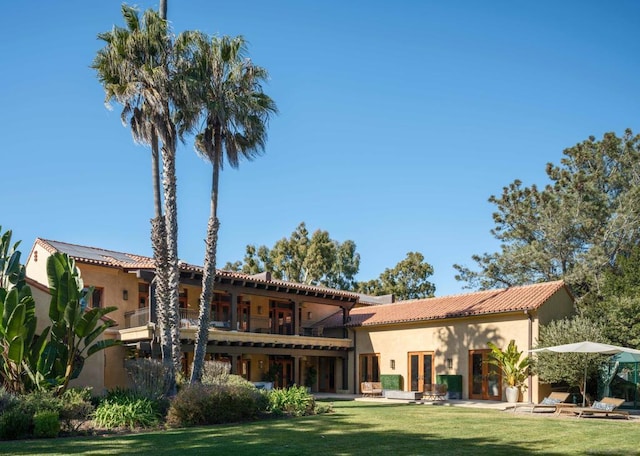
[[134, 68], [234, 110]]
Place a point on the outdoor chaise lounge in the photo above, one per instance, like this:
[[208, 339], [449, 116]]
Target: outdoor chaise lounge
[[551, 402], [607, 406]]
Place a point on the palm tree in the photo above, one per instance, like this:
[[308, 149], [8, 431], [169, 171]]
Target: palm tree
[[234, 111], [134, 68]]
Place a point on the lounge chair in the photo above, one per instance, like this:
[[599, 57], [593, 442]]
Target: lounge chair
[[551, 401], [607, 406], [371, 389], [435, 392]]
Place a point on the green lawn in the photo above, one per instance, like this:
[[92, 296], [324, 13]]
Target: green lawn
[[369, 428]]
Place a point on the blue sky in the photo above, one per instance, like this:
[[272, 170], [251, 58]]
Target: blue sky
[[397, 122]]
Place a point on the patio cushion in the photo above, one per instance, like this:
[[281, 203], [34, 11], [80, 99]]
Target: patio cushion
[[602, 406], [550, 401]]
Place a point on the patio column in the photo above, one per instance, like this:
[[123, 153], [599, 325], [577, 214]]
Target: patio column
[[297, 370], [296, 318], [234, 311]]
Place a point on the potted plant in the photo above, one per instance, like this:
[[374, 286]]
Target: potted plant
[[515, 368]]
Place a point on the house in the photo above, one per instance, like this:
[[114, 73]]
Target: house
[[265, 328], [268, 329], [447, 336]]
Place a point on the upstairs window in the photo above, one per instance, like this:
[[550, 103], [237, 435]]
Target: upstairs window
[[92, 300]]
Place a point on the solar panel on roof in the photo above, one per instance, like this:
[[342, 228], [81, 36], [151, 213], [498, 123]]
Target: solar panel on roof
[[89, 253]]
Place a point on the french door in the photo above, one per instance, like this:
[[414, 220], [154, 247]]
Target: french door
[[283, 368], [370, 367], [327, 375], [420, 370], [485, 381]]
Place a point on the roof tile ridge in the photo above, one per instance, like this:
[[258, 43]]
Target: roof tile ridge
[[46, 244], [548, 284], [494, 292]]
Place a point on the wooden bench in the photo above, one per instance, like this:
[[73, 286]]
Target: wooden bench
[[371, 389]]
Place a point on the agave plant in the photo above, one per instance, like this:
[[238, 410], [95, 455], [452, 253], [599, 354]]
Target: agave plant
[[515, 368]]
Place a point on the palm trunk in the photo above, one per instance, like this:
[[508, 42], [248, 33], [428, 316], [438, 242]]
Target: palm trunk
[[173, 272], [208, 279], [159, 246]]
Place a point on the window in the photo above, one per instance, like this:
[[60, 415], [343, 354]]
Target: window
[[221, 307], [92, 300], [143, 295], [183, 299]]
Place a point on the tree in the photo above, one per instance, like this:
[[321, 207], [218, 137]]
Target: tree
[[75, 329], [134, 68], [568, 367], [619, 306], [407, 280], [20, 347], [312, 260], [227, 88], [574, 228], [322, 261]]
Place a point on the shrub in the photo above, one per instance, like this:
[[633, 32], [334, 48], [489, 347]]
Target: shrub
[[293, 401], [323, 408], [198, 404], [46, 424], [123, 408], [7, 400], [76, 408], [148, 378], [15, 424], [216, 373], [40, 401]]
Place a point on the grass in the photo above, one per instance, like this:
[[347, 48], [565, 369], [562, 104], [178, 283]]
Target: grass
[[368, 428]]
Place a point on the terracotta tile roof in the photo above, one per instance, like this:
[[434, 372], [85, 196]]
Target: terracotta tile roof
[[111, 258], [528, 297]]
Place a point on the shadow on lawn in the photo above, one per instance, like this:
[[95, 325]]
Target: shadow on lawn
[[324, 434]]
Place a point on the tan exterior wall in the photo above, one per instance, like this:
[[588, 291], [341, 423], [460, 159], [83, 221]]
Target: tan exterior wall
[[452, 339], [113, 282], [559, 306], [36, 266]]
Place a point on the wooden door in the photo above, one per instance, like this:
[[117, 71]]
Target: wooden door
[[485, 381], [327, 375], [283, 368], [420, 370]]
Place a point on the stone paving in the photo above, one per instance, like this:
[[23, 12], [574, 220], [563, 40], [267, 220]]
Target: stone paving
[[522, 407]]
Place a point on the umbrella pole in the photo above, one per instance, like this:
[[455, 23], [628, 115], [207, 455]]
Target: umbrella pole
[[584, 391]]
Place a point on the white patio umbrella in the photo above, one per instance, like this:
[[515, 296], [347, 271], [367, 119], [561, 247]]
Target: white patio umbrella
[[587, 347]]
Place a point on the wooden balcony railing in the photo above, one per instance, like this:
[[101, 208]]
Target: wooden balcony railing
[[189, 319]]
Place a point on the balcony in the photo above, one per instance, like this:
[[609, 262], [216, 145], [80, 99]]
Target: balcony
[[137, 326], [188, 319]]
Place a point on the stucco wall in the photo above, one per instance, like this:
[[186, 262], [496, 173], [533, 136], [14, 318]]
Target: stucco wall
[[451, 339], [559, 306], [113, 282]]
